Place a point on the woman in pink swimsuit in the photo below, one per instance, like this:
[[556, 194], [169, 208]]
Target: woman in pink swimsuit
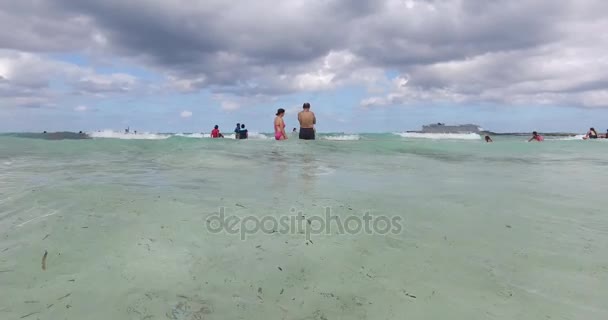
[[279, 125]]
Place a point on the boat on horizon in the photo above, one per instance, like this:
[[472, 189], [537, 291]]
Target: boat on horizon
[[456, 129]]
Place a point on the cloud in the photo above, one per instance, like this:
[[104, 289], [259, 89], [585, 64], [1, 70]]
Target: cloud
[[230, 105], [81, 108], [456, 51], [90, 82], [566, 73], [26, 79], [186, 114], [43, 26]]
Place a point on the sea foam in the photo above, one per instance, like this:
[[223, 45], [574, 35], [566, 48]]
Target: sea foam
[[577, 137], [193, 135], [257, 136], [109, 134], [347, 137]]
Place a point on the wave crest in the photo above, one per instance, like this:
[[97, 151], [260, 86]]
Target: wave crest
[[577, 137], [193, 135], [346, 137], [109, 134]]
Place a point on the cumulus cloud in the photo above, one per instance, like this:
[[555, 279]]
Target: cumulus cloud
[[230, 105], [42, 26], [459, 51], [186, 114], [26, 80], [90, 82], [568, 72]]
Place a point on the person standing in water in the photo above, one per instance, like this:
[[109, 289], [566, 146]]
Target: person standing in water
[[536, 137], [279, 125], [307, 121], [243, 133], [237, 130], [591, 134]]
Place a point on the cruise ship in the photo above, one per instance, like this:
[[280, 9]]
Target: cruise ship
[[443, 128]]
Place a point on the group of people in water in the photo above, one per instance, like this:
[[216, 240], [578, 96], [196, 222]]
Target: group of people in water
[[535, 137], [240, 132], [591, 134], [306, 118]]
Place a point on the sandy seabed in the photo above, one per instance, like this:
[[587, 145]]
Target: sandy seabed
[[510, 237]]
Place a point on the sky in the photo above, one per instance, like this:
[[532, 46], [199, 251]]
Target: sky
[[363, 65]]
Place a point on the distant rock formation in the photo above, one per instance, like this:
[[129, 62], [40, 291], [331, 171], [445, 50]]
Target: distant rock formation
[[54, 135]]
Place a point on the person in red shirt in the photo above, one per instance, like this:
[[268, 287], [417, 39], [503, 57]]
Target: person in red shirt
[[215, 133]]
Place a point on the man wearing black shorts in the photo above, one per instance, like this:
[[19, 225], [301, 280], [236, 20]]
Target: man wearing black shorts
[[307, 121]]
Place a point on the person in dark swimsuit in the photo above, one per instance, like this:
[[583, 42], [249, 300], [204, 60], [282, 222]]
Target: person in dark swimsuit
[[307, 134], [307, 121], [243, 133], [592, 134], [236, 130]]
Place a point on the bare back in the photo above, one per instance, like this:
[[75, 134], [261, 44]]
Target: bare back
[[279, 124], [307, 119]]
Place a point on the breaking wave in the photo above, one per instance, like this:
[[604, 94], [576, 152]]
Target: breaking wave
[[193, 135], [109, 134], [347, 137], [577, 137]]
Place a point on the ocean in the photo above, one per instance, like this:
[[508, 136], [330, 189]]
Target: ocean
[[351, 226]]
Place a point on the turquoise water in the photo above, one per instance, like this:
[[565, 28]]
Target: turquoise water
[[509, 230]]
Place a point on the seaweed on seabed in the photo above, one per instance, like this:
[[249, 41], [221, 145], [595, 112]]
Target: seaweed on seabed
[[44, 260]]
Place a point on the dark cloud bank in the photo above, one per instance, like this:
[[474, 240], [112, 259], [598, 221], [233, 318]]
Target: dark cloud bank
[[459, 51]]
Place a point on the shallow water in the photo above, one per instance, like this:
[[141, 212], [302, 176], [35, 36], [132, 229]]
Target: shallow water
[[509, 230]]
